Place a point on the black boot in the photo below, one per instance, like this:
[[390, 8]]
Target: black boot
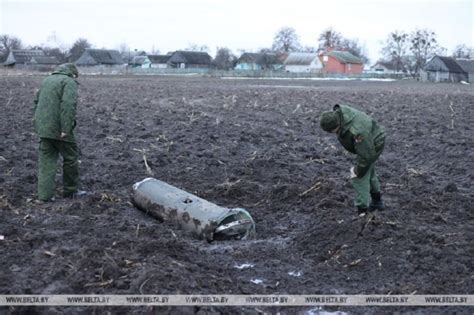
[[376, 203], [362, 210]]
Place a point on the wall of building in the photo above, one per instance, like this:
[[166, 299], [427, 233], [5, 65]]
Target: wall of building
[[247, 66], [332, 65], [470, 77], [159, 65], [443, 76], [302, 68]]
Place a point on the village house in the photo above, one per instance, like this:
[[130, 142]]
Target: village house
[[443, 69], [302, 62], [159, 61], [258, 61], [385, 67], [343, 62], [33, 59], [101, 59], [190, 60], [140, 62], [468, 66]]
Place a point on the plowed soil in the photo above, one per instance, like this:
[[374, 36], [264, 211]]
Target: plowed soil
[[254, 144]]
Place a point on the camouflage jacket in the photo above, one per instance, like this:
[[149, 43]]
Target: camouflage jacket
[[361, 135], [55, 106]]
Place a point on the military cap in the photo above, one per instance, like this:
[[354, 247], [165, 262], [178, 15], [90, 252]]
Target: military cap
[[329, 121]]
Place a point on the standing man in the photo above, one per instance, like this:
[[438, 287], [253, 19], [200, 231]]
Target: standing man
[[55, 119], [359, 134]]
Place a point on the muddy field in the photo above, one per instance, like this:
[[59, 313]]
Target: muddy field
[[254, 144]]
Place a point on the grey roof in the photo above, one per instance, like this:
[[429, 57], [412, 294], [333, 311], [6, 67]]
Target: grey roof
[[190, 57], [45, 60], [138, 60], [344, 56], [100, 56], [450, 64], [300, 59], [387, 64], [466, 64], [250, 57], [259, 58], [23, 55], [159, 58]]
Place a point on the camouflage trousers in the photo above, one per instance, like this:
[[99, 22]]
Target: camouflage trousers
[[49, 150], [369, 183], [364, 186]]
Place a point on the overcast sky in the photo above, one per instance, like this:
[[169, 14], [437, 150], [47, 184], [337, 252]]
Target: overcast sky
[[168, 25]]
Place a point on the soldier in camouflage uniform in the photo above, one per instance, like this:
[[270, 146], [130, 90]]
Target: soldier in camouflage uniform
[[55, 119], [359, 134]]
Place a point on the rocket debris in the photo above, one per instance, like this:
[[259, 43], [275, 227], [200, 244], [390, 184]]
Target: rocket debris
[[203, 218]]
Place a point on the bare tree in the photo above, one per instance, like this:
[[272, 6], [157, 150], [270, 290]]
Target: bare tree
[[309, 49], [7, 44], [463, 51], [195, 47], [126, 53], [396, 49], [265, 51], [61, 55], [286, 40], [330, 39], [423, 45], [155, 51], [353, 46], [225, 59], [78, 49]]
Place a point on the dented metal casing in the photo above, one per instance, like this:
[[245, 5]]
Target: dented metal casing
[[203, 218]]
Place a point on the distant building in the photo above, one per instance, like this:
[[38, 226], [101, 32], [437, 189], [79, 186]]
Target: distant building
[[385, 67], [468, 66], [190, 60], [159, 61], [337, 61], [100, 57], [443, 69], [259, 61], [34, 59], [140, 62], [303, 62], [45, 60]]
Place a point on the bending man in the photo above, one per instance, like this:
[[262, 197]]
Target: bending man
[[359, 134]]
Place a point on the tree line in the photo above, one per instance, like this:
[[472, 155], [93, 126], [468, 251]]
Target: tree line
[[407, 52]]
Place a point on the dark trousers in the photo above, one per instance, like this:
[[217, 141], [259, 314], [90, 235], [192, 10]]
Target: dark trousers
[[49, 149], [369, 184]]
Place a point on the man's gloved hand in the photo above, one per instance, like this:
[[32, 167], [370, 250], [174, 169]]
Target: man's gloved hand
[[63, 135], [353, 174]]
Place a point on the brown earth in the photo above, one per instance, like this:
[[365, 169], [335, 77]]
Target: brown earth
[[242, 143]]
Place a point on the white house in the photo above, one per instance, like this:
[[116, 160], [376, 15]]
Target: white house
[[303, 62]]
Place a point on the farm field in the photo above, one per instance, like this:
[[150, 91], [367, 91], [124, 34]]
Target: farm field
[[247, 143]]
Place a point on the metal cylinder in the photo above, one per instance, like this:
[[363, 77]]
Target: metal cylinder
[[203, 218]]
